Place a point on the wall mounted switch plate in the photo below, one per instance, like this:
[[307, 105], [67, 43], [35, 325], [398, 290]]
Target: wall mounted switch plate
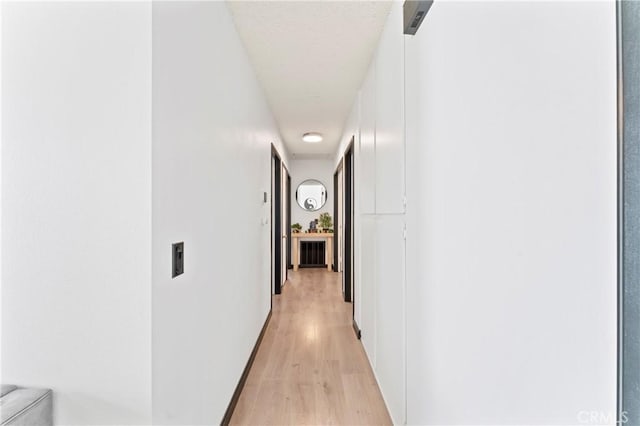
[[177, 259]]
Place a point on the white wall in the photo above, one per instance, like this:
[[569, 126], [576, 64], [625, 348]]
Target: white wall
[[90, 208], [509, 168], [1, 197], [512, 255], [211, 164], [321, 169], [377, 122], [76, 218]]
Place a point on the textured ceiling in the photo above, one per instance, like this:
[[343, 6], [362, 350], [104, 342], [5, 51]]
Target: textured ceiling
[[310, 57]]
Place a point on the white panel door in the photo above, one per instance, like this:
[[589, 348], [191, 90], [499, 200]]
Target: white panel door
[[367, 283]]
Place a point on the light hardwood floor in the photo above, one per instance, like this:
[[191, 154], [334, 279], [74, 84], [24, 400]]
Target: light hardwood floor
[[310, 369]]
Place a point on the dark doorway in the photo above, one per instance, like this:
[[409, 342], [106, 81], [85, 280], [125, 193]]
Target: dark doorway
[[348, 224], [276, 221], [336, 220], [289, 265]]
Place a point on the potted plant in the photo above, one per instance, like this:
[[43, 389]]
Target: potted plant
[[325, 222], [296, 227]]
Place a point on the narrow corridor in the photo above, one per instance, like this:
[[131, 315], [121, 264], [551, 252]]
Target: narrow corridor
[[310, 368], [471, 166]]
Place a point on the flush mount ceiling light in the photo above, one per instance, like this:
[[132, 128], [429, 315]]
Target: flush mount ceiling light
[[312, 137]]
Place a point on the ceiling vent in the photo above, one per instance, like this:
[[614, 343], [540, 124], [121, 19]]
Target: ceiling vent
[[414, 13]]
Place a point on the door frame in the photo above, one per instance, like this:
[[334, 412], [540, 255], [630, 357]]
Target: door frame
[[288, 195], [336, 219], [628, 62], [276, 222], [348, 258], [347, 242]]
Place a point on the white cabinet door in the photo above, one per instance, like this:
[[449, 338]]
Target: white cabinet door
[[366, 160], [390, 313], [389, 88]]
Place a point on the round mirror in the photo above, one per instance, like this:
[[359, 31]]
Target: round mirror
[[311, 195]]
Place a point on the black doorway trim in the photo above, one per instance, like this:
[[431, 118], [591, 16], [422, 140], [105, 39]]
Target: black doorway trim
[[277, 222], [357, 329], [348, 225], [336, 217], [289, 265], [245, 373]]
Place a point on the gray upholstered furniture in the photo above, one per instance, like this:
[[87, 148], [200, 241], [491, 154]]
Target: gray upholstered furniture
[[26, 406]]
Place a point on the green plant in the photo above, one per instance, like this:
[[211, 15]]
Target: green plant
[[325, 220], [296, 226]]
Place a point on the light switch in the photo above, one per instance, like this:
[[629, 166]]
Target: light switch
[[177, 261]]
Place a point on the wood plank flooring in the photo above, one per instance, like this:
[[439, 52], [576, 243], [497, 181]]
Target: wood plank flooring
[[310, 369]]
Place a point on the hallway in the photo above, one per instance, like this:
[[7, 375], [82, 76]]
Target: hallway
[[164, 162], [310, 368]]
